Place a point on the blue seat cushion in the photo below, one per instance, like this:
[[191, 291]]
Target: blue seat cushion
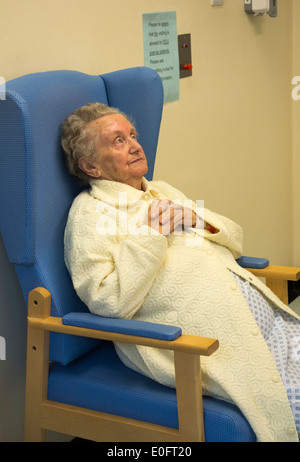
[[100, 381]]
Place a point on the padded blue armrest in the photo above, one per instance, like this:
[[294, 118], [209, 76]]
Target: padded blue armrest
[[123, 326], [253, 262]]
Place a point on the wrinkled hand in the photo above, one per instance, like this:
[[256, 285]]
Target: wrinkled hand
[[165, 216]]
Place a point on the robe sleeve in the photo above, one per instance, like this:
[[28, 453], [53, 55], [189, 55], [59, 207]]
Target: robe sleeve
[[229, 234], [112, 274]]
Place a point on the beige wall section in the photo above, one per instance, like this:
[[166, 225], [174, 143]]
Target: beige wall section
[[228, 140]]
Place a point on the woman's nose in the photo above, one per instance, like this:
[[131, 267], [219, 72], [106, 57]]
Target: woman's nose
[[133, 144]]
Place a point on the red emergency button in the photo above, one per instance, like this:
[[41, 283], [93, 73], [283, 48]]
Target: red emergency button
[[188, 66]]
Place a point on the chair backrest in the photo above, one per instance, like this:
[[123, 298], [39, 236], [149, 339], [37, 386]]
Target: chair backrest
[[36, 189]]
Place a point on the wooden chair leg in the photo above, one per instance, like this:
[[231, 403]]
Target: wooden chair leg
[[189, 397], [280, 288], [36, 368]]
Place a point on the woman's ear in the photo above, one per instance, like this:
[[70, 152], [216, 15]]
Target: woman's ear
[[88, 168]]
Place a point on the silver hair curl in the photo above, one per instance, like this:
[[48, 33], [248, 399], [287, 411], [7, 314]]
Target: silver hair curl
[[80, 139]]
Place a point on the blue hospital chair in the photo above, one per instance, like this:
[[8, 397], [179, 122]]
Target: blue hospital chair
[[75, 382]]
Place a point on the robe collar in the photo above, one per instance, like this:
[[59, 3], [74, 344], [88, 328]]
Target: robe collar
[[109, 191]]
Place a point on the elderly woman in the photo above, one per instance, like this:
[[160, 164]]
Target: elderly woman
[[142, 250]]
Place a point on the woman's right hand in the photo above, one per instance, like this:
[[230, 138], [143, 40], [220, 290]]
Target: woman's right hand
[[161, 214], [165, 216]]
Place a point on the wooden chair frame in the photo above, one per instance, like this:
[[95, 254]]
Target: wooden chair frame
[[277, 278], [42, 415]]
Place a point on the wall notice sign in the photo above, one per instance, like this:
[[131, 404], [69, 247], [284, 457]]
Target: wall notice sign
[[161, 50]]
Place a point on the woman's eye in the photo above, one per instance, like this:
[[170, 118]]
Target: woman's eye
[[118, 141]]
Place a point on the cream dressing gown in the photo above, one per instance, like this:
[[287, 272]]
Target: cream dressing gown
[[120, 269]]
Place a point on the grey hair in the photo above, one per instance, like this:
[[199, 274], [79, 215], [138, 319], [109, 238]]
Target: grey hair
[[80, 139]]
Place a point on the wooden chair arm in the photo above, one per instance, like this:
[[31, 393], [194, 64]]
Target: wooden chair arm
[[185, 343], [187, 350], [277, 278], [39, 305], [288, 273]]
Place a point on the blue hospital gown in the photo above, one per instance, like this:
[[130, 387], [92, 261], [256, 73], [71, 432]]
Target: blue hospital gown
[[282, 334]]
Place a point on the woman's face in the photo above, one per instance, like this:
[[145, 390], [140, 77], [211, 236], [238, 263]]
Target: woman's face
[[120, 157]]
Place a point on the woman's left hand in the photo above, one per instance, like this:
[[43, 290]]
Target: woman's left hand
[[165, 216]]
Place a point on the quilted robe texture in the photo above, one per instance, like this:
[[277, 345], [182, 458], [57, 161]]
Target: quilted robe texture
[[184, 280]]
